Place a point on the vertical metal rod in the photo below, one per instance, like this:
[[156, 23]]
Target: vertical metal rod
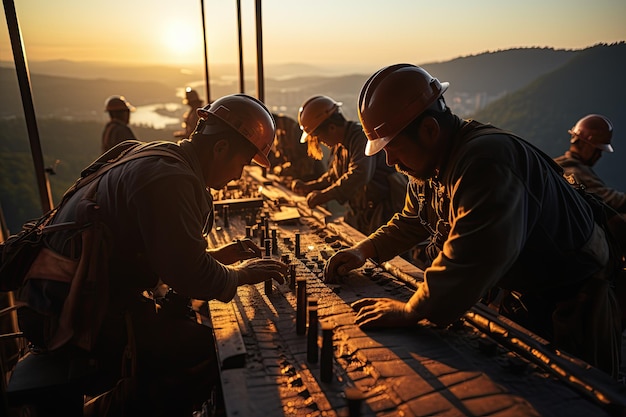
[[259, 53], [242, 83], [206, 56], [274, 242], [297, 250], [226, 215], [354, 398], [326, 355], [301, 306], [292, 276], [312, 349], [268, 247], [23, 78]]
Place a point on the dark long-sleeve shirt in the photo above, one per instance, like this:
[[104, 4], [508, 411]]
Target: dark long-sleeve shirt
[[353, 176], [514, 222], [158, 210], [585, 175], [115, 132]]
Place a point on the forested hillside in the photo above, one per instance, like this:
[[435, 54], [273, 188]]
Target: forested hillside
[[539, 94], [592, 81], [68, 147]]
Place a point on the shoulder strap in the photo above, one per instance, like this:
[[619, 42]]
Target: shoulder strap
[[134, 152], [95, 171]]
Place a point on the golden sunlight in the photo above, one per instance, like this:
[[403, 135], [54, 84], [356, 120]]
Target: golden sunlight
[[180, 39]]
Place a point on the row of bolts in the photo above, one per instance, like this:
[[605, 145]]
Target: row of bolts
[[354, 396]]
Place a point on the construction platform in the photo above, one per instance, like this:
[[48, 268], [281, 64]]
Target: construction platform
[[273, 364]]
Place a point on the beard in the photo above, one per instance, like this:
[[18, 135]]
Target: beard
[[413, 177]]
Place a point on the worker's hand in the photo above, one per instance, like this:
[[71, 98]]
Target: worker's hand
[[342, 262], [300, 187], [315, 198], [254, 271], [383, 312], [238, 250]]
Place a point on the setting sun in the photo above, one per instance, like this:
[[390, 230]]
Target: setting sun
[[181, 39]]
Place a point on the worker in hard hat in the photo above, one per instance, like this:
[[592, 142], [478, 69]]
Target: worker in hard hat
[[515, 224], [117, 129], [157, 209], [364, 183], [289, 156], [589, 138], [190, 117]]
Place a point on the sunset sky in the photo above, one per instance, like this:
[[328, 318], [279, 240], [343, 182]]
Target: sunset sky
[[364, 34]]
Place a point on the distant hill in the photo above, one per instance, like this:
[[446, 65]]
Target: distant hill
[[68, 88], [474, 80], [81, 99], [495, 73], [68, 147], [170, 76], [592, 81], [538, 93]]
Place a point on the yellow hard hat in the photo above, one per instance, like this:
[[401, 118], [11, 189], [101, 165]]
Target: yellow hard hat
[[314, 112]]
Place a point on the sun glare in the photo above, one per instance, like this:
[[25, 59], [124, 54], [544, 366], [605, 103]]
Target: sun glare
[[180, 39]]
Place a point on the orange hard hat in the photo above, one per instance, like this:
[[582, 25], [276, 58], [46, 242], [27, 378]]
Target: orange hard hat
[[392, 98], [117, 103], [594, 129], [249, 117], [313, 113]]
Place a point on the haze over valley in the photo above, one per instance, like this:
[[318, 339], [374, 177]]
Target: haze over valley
[[538, 93]]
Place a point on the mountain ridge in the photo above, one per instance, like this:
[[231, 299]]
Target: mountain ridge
[[537, 93]]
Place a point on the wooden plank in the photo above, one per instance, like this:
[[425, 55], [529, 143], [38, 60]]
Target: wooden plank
[[229, 342]]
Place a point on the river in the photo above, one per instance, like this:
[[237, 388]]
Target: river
[[159, 115]]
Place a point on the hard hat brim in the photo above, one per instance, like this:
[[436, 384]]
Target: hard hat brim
[[374, 146], [262, 160], [606, 147]]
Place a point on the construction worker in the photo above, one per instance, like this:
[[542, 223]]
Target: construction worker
[[157, 211], [117, 130], [514, 223], [190, 117], [365, 183], [591, 136], [289, 156]]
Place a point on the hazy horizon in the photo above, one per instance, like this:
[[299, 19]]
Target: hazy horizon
[[360, 35]]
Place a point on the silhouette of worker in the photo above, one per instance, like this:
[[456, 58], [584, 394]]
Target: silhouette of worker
[[289, 157], [190, 117], [117, 129]]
